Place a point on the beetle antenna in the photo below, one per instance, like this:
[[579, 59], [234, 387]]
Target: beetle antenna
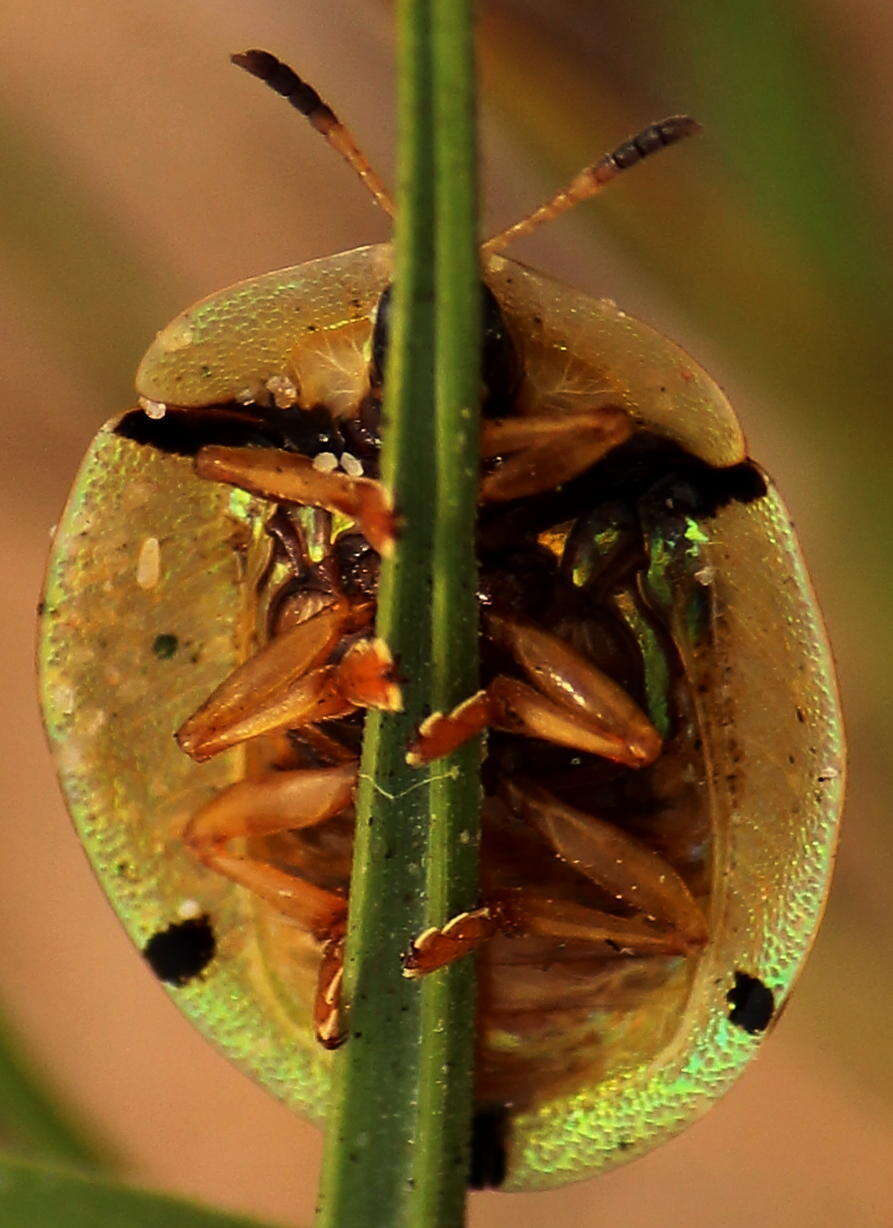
[[304, 98], [590, 181]]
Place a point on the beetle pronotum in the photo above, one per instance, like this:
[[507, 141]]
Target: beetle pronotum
[[664, 763]]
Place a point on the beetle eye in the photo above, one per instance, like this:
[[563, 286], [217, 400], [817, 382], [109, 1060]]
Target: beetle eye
[[500, 368]]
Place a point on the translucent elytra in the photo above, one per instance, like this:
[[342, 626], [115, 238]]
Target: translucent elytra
[[147, 555]]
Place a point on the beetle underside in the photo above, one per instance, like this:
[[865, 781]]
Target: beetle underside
[[663, 735], [596, 835]]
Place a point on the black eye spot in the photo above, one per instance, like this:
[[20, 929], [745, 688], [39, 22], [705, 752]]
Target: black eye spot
[[751, 1003], [179, 953], [164, 646], [488, 1155]]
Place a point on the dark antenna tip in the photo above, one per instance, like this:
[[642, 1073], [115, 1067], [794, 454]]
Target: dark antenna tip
[[304, 98], [259, 63]]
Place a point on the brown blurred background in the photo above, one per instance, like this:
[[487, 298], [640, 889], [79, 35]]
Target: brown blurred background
[[140, 172]]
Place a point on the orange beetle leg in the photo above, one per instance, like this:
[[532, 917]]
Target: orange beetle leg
[[574, 704], [521, 913], [307, 700], [365, 676], [328, 1007], [286, 477], [515, 707], [263, 680], [546, 451], [436, 948], [442, 733], [631, 871], [583, 692], [277, 802], [273, 690]]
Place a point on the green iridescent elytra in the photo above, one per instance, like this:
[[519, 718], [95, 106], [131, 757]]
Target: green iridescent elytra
[[150, 601]]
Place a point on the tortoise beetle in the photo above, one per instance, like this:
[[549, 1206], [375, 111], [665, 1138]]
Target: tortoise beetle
[[664, 765]]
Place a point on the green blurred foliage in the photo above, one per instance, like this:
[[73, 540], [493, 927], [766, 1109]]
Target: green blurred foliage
[[771, 235]]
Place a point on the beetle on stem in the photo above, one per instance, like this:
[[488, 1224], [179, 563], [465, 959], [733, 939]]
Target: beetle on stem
[[663, 767]]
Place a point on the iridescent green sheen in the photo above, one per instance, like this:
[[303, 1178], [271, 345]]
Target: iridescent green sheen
[[148, 554], [771, 724]]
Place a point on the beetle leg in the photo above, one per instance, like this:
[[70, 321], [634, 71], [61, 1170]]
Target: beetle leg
[[574, 704], [287, 477], [520, 913], [634, 873], [277, 802], [364, 678], [328, 1014], [567, 678], [547, 451]]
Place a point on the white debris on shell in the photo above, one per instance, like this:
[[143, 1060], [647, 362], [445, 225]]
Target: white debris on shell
[[706, 575], [325, 462], [189, 909], [148, 567], [152, 409], [351, 466], [247, 396], [283, 391]]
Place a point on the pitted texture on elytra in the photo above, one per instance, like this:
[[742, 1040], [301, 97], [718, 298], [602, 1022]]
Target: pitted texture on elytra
[[768, 711], [601, 353], [772, 733], [226, 347], [111, 704]]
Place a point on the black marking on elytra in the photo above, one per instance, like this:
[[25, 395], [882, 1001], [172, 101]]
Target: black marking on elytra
[[488, 1148], [184, 432], [165, 645], [179, 953], [751, 1003]]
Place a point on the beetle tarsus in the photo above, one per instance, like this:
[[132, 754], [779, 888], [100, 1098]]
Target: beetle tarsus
[[521, 913], [571, 703]]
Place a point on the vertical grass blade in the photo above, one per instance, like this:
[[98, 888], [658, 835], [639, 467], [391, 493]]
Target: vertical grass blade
[[396, 1149], [448, 997]]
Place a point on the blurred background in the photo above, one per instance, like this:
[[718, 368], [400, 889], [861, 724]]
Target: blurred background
[[140, 172]]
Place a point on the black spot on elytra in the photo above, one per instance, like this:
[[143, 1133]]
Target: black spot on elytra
[[164, 646], [179, 953], [751, 1003], [488, 1148]]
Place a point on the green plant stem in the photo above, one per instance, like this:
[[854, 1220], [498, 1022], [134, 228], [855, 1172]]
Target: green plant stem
[[448, 997], [396, 1149]]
